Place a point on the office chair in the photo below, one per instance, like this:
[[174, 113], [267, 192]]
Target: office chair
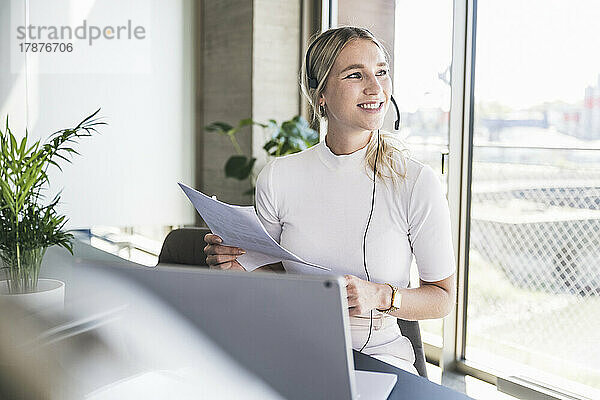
[[185, 246]]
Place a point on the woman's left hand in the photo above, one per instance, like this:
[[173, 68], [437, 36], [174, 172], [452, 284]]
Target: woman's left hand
[[364, 296]]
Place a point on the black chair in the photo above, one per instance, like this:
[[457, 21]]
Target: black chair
[[186, 246], [412, 331]]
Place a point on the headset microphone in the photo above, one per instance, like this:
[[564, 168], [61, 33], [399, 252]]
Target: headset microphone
[[397, 122], [396, 127], [313, 84]]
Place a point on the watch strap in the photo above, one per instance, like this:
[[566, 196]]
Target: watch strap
[[394, 294]]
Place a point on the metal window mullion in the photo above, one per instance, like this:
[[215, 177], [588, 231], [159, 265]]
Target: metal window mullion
[[467, 164], [333, 13], [315, 17], [460, 145], [326, 21]]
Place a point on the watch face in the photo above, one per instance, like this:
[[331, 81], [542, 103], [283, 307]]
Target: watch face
[[397, 300]]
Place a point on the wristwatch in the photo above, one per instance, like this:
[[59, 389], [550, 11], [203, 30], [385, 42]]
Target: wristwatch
[[396, 300]]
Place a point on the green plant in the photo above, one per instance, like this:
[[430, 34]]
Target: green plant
[[28, 227], [291, 137], [237, 166]]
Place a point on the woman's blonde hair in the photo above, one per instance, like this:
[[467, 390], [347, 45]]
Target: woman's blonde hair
[[324, 49]]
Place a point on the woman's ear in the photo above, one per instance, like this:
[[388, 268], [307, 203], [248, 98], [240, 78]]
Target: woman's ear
[[321, 105]]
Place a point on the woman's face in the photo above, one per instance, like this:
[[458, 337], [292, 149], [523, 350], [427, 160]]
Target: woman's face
[[358, 89]]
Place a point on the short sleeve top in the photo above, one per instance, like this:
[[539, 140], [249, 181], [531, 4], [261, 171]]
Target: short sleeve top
[[316, 204]]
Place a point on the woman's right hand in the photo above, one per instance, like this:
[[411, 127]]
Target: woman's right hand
[[219, 256]]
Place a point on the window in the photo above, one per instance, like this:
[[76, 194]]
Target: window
[[534, 255]]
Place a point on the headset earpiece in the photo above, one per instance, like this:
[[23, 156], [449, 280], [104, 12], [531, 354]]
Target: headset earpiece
[[312, 82]]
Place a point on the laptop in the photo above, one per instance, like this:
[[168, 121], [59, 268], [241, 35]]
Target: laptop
[[290, 330]]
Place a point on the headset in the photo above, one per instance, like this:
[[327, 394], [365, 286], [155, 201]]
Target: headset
[[313, 84]]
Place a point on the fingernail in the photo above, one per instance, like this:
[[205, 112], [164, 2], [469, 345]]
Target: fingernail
[[219, 240], [241, 252]]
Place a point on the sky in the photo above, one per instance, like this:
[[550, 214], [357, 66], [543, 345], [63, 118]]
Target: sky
[[528, 51]]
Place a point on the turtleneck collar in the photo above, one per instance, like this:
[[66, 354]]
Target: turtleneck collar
[[334, 161]]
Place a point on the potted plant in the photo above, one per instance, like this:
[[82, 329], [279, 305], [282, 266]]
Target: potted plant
[[27, 225], [291, 137]]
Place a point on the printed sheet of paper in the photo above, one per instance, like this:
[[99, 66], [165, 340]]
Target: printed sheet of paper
[[239, 226]]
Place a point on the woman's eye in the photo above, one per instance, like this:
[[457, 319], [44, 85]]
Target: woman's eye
[[382, 72]]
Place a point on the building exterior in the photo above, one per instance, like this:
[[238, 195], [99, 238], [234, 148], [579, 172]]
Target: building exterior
[[590, 115]]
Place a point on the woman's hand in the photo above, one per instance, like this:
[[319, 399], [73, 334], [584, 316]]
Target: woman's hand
[[364, 296], [219, 256]]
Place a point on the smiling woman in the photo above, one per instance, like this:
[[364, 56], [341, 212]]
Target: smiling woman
[[356, 95], [331, 204], [339, 94]]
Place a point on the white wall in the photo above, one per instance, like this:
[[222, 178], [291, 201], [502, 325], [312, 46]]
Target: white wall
[[127, 175]]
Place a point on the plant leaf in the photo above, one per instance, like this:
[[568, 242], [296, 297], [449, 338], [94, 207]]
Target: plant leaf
[[245, 122], [239, 167], [220, 127]]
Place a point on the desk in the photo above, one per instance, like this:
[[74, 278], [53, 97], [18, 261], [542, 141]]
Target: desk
[[408, 386], [59, 264]]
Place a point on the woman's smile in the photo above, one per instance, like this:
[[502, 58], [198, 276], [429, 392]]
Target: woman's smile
[[371, 107]]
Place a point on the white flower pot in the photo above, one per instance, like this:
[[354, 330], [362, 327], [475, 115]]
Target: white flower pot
[[49, 297]]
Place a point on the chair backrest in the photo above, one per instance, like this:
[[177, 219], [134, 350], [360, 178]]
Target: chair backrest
[[412, 331], [186, 246]]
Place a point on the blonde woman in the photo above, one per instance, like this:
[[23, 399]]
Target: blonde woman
[[356, 203]]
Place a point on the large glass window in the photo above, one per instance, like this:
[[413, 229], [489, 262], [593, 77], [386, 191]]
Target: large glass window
[[534, 255]]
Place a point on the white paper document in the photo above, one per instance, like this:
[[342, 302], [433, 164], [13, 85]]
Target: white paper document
[[239, 226]]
